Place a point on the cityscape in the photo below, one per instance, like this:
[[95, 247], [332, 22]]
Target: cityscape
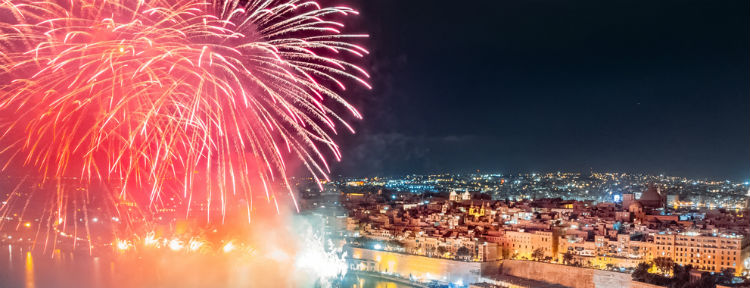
[[374, 144], [480, 230], [460, 228]]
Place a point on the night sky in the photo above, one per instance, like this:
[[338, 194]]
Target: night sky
[[554, 85]]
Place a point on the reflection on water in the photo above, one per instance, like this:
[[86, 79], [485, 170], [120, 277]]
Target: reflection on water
[[23, 269], [29, 270]]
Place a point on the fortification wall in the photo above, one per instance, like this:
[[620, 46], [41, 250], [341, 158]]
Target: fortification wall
[[568, 276], [420, 267]]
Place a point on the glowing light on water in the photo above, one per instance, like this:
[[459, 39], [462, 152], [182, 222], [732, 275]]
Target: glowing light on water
[[29, 271]]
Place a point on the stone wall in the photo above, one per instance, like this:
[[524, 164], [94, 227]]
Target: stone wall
[[419, 267], [568, 276], [543, 274]]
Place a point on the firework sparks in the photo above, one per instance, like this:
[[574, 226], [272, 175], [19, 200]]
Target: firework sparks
[[152, 91], [176, 245], [326, 263]]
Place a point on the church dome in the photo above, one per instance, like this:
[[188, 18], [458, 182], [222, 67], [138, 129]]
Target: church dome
[[651, 194]]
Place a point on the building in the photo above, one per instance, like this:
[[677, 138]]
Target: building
[[712, 252], [652, 197], [521, 244], [455, 196], [602, 236]]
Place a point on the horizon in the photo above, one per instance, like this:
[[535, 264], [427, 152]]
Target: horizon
[[538, 172]]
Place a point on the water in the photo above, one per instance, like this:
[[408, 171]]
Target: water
[[360, 281], [23, 269]]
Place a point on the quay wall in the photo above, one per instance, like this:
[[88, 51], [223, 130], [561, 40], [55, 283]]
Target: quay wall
[[568, 276], [419, 267]]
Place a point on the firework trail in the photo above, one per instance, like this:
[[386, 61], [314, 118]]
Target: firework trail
[[155, 91]]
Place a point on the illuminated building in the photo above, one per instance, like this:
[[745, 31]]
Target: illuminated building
[[479, 211], [455, 196], [707, 252], [624, 251], [521, 244], [595, 234]]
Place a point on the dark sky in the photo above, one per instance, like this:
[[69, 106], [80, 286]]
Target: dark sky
[[547, 85]]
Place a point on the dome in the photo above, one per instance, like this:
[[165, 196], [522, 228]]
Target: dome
[[652, 197], [651, 194]]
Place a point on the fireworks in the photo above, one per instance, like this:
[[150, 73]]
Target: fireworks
[[151, 92], [306, 259], [176, 245], [123, 245], [326, 263]]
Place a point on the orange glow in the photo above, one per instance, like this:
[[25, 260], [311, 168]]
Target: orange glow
[[229, 247], [29, 271], [175, 245], [123, 245], [150, 240], [195, 245], [420, 267]]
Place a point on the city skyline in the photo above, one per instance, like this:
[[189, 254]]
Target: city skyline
[[526, 172]]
